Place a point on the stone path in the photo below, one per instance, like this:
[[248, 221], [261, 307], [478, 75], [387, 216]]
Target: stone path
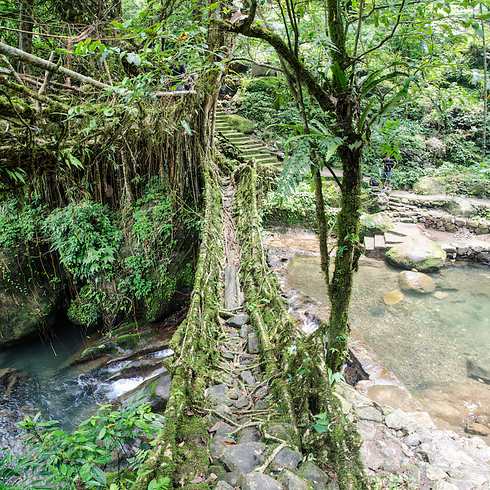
[[248, 147]]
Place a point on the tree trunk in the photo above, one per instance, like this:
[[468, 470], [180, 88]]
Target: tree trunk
[[340, 287], [25, 36]]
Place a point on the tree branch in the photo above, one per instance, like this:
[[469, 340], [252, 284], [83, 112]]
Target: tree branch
[[19, 55]]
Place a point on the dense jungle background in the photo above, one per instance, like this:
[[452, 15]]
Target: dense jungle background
[[107, 117]]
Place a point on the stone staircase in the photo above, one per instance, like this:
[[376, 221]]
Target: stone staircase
[[377, 245], [248, 147]]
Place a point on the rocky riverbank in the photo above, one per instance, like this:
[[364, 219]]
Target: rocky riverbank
[[253, 449]]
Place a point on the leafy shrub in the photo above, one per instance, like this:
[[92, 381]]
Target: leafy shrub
[[110, 439], [297, 208], [84, 237], [17, 227], [269, 85]]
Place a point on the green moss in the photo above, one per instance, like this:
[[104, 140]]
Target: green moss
[[240, 123]]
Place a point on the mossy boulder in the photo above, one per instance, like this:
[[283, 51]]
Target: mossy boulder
[[421, 254], [240, 123], [375, 224], [28, 306], [428, 186]]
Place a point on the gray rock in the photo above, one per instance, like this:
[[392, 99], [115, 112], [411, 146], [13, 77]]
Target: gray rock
[[282, 432], [461, 207], [257, 481], [217, 445], [234, 393], [217, 390], [478, 370], [249, 434], [241, 402], [412, 470], [262, 392], [224, 429], [237, 321], [366, 430], [248, 379], [220, 399], [311, 472], [333, 486], [287, 458], [412, 440], [225, 411], [232, 478], [444, 485], [368, 413], [388, 452], [397, 420], [244, 331], [261, 405], [222, 485], [463, 484], [242, 458], [292, 481], [253, 343]]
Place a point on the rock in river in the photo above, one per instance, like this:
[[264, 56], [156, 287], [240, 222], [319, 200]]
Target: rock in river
[[419, 253], [393, 298], [416, 281]]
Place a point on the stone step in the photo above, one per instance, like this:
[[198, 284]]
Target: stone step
[[369, 243], [391, 239], [398, 231], [379, 241], [257, 150]]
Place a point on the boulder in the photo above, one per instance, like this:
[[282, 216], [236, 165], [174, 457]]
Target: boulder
[[461, 207], [375, 224], [242, 458], [478, 370], [240, 123], [416, 281], [420, 253]]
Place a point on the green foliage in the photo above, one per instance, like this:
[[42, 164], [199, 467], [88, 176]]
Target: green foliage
[[109, 439], [84, 237], [297, 208], [17, 227]]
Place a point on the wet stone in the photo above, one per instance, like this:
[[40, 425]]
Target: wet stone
[[242, 458], [224, 429], [238, 321]]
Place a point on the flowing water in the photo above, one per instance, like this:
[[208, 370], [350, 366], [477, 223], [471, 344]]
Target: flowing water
[[61, 390], [425, 340]]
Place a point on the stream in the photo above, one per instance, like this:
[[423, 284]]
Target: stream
[[48, 380], [416, 351]]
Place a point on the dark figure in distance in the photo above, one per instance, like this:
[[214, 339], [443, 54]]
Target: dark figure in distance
[[388, 166]]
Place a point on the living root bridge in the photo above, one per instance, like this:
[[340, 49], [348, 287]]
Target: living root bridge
[[194, 341]]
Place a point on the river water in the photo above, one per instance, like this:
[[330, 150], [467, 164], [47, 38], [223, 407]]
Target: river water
[[425, 341], [63, 390]]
